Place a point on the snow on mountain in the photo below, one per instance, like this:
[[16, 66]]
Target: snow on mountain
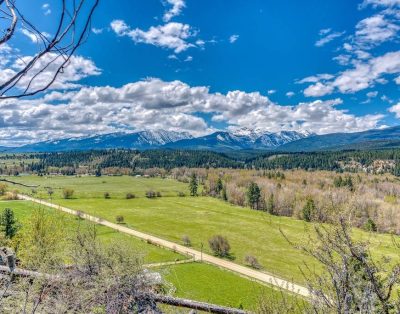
[[136, 140], [242, 138]]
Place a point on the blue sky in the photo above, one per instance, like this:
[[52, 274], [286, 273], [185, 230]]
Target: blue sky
[[199, 66]]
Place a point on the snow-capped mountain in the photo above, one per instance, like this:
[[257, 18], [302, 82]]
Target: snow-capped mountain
[[138, 140], [243, 138]]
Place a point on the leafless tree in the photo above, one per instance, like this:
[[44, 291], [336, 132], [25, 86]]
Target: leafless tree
[[351, 280], [54, 51], [100, 279]]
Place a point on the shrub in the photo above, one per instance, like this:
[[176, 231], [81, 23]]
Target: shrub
[[219, 245], [181, 194], [150, 194], [370, 225], [107, 195], [158, 194], [68, 193], [3, 189], [130, 196], [120, 219], [252, 261], [186, 241], [11, 196]]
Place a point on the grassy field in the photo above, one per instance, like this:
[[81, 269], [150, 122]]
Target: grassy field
[[214, 285], [193, 280], [249, 232], [95, 187], [150, 253]]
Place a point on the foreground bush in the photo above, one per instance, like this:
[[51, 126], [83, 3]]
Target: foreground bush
[[220, 246], [68, 193]]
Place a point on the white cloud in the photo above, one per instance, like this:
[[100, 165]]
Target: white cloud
[[372, 94], [318, 89], [93, 110], [189, 59], [324, 31], [233, 38], [97, 31], [32, 36], [386, 99], [396, 110], [46, 9], [328, 38], [397, 80], [290, 94], [170, 36], [44, 69], [375, 30], [175, 10], [315, 78], [271, 91], [361, 76], [382, 3]]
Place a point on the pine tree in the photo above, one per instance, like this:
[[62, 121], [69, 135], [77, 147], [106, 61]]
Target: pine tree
[[193, 185], [253, 195], [309, 210], [8, 223], [219, 186]]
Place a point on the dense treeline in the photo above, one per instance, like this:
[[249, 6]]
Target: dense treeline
[[133, 161]]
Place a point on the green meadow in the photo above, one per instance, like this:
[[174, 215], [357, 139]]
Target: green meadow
[[170, 217], [197, 281]]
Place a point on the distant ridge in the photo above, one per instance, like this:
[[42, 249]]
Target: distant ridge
[[244, 139], [371, 139]]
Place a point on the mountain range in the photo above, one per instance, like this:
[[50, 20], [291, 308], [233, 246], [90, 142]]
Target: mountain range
[[239, 139]]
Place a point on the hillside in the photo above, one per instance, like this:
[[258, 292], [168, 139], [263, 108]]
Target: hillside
[[378, 138]]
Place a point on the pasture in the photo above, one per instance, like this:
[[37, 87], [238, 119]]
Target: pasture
[[249, 232]]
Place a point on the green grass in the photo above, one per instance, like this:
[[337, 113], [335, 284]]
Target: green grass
[[95, 187], [195, 281], [249, 232], [210, 284], [150, 253]]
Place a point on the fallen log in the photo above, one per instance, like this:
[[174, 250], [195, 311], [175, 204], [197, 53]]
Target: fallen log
[[195, 305], [158, 298]]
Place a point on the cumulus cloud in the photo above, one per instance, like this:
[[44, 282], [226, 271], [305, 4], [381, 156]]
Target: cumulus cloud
[[172, 35], [380, 3], [156, 104], [75, 70], [175, 10], [361, 76], [290, 94], [318, 89], [44, 69], [375, 30], [396, 110]]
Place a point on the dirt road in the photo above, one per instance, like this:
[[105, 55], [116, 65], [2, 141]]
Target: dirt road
[[197, 255]]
